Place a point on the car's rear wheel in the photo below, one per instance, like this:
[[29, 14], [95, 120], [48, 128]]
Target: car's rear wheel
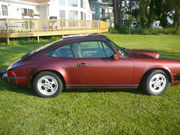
[[156, 82], [47, 84]]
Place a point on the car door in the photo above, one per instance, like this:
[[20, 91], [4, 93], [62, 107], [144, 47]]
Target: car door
[[64, 62], [96, 66]]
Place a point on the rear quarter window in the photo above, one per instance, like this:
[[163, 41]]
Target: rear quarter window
[[61, 52]]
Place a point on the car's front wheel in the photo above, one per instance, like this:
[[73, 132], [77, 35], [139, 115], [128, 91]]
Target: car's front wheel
[[47, 84], [156, 82]]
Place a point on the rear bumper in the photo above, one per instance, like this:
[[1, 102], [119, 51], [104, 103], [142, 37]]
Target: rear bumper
[[1, 74], [5, 77]]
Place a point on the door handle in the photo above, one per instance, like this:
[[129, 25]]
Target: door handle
[[81, 64], [78, 65]]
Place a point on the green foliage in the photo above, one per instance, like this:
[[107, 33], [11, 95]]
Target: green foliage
[[54, 38], [14, 43], [125, 30], [29, 41], [163, 31], [91, 112], [178, 30], [147, 11]]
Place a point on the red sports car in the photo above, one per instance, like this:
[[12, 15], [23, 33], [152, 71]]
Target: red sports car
[[92, 62]]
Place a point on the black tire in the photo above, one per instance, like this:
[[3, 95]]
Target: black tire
[[47, 84], [153, 86]]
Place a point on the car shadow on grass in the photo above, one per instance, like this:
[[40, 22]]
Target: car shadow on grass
[[133, 91], [12, 88]]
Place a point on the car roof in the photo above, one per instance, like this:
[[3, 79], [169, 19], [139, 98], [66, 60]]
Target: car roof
[[74, 39], [84, 37]]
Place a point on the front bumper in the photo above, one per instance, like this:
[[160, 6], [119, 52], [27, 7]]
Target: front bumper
[[177, 77]]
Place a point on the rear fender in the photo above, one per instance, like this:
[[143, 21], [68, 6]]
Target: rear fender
[[61, 73]]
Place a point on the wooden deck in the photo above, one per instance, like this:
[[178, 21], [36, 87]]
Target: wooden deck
[[15, 28]]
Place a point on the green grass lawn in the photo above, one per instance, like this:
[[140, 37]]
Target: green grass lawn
[[91, 112]]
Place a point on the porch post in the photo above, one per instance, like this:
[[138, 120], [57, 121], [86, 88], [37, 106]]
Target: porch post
[[37, 22], [7, 32]]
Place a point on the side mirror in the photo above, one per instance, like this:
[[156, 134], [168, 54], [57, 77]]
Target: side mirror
[[116, 57]]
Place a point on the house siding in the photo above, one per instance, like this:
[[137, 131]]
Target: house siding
[[46, 10], [15, 9]]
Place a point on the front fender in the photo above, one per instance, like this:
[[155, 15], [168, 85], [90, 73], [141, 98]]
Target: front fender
[[160, 67]]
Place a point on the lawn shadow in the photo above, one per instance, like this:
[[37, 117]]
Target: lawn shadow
[[133, 91], [4, 86]]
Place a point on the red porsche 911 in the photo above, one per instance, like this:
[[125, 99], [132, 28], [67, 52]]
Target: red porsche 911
[[92, 62]]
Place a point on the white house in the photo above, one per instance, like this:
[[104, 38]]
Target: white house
[[46, 9], [102, 11]]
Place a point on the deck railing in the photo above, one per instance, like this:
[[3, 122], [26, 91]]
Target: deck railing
[[14, 28]]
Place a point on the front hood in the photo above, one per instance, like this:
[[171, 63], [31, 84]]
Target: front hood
[[144, 54]]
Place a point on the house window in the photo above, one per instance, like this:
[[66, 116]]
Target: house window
[[73, 3], [81, 15], [4, 10], [62, 2], [24, 11], [82, 3], [27, 11], [62, 14], [30, 11], [103, 12], [84, 16], [96, 10], [73, 15]]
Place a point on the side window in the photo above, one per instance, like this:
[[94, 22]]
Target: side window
[[108, 50], [91, 49], [61, 52]]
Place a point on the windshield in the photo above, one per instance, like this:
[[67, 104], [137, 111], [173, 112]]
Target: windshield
[[122, 51]]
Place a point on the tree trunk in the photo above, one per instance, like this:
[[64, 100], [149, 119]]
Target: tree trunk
[[117, 15], [178, 21]]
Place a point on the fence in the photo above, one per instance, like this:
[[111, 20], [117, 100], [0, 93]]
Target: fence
[[14, 28]]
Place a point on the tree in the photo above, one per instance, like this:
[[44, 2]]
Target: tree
[[130, 21], [117, 5], [147, 11], [174, 5]]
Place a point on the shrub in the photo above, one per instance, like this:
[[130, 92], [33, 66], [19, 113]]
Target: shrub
[[163, 31], [125, 30], [14, 42], [54, 38]]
